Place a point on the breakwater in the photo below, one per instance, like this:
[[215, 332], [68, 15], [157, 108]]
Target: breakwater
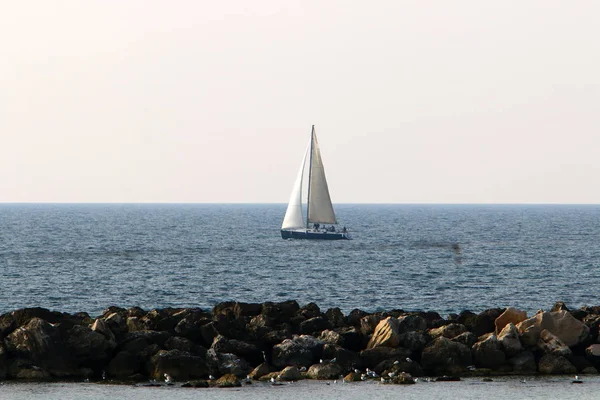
[[239, 342]]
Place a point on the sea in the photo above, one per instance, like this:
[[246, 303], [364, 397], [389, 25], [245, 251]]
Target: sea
[[443, 258]]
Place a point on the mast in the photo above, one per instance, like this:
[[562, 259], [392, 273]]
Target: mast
[[312, 136]]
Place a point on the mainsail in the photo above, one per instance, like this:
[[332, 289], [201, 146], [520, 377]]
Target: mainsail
[[319, 207]]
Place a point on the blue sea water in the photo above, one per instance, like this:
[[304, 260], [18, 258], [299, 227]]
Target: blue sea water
[[445, 258]]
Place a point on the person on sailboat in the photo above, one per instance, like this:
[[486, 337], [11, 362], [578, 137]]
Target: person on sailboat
[[316, 226]]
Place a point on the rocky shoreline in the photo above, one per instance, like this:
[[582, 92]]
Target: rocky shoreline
[[238, 343]]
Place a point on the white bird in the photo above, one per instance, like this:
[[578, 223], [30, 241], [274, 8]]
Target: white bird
[[302, 369], [408, 359], [168, 379], [398, 362], [212, 378], [273, 379]]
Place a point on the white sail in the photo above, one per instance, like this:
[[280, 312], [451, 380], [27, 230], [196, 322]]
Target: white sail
[[294, 218], [320, 208]]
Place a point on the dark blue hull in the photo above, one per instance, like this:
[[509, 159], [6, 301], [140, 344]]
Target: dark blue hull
[[314, 235]]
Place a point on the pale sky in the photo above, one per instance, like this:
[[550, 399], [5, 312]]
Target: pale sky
[[213, 101]]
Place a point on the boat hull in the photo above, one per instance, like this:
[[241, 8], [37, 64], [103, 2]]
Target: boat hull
[[314, 235]]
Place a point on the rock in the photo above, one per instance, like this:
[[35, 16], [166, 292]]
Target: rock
[[101, 326], [466, 338], [260, 371], [489, 353], [352, 338], [560, 323], [134, 324], [190, 327], [311, 310], [484, 322], [345, 358], [510, 341], [411, 323], [41, 342], [116, 323], [336, 317], [248, 351], [331, 337], [290, 373], [414, 341], [186, 345], [368, 323], [246, 309], [353, 377], [553, 364], [551, 344], [88, 348], [448, 331], [314, 325], [180, 365], [523, 363], [227, 363], [385, 334], [279, 312], [559, 306], [301, 351], [398, 366], [324, 371], [444, 356], [372, 357], [228, 380], [510, 315], [592, 353], [355, 317], [403, 378], [24, 369], [123, 365]]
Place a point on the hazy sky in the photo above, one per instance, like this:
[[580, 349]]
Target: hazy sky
[[212, 101]]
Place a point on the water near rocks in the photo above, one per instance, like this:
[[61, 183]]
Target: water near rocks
[[446, 258]]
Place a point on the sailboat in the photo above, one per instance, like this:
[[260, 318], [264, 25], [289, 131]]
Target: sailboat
[[319, 210]]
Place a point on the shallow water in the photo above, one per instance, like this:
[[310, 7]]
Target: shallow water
[[558, 387]]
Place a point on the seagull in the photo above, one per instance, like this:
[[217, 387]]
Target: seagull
[[398, 362], [408, 359], [103, 375], [334, 359], [264, 356], [210, 377], [302, 369], [273, 379], [577, 380], [168, 379], [391, 374]]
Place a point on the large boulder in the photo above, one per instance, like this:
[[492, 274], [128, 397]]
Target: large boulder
[[551, 344], [345, 358], [291, 373], [510, 315], [553, 364], [386, 334], [411, 323], [414, 341], [124, 365], [314, 325], [303, 350], [180, 365], [324, 371], [248, 351], [41, 342], [227, 363], [448, 331], [443, 356], [88, 347], [509, 339], [488, 353], [336, 317], [560, 323], [523, 363], [373, 357]]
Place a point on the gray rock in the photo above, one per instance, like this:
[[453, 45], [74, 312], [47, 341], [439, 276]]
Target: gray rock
[[443, 356], [552, 364], [488, 353], [301, 351]]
